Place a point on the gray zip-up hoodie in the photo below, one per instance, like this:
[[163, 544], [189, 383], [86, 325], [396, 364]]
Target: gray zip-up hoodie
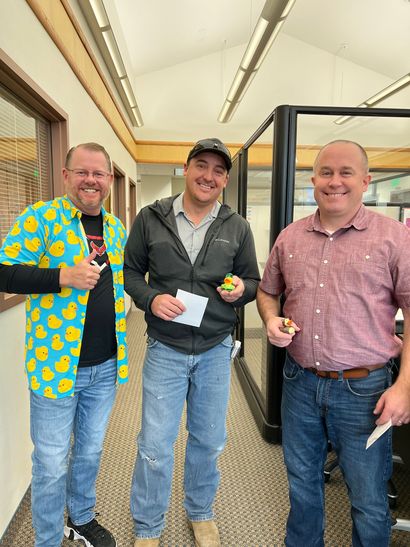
[[154, 247]]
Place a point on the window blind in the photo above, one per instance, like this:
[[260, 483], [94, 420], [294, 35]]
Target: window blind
[[25, 159]]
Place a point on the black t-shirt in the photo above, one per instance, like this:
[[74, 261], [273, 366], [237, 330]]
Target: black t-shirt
[[99, 341]]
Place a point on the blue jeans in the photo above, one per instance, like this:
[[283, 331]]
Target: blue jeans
[[315, 410], [60, 478], [169, 379]]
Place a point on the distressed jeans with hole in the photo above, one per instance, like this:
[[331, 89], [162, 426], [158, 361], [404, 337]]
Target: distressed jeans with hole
[[169, 379]]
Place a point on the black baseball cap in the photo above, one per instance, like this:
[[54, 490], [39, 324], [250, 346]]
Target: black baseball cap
[[212, 145]]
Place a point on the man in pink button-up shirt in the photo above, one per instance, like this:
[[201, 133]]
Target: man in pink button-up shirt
[[343, 272]]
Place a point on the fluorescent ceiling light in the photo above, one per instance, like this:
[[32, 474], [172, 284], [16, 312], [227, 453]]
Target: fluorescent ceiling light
[[99, 24], [235, 85], [111, 44], [269, 44], [389, 90], [128, 91], [267, 28], [254, 42], [378, 97], [100, 13], [137, 116]]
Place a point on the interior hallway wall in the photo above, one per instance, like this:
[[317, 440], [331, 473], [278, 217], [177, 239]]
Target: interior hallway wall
[[24, 40]]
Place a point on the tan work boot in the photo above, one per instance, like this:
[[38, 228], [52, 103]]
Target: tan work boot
[[206, 533], [146, 542]]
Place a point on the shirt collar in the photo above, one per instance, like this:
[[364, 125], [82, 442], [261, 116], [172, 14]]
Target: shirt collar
[[360, 221], [178, 206]]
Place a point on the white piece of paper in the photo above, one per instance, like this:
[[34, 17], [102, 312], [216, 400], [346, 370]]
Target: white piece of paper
[[195, 308], [377, 432]]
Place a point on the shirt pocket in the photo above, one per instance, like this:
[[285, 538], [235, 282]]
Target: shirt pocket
[[364, 272], [293, 268]]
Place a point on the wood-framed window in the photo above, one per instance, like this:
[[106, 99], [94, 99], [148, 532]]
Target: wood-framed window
[[33, 145]]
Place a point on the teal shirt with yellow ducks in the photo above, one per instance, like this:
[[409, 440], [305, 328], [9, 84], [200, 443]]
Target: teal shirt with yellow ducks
[[51, 235]]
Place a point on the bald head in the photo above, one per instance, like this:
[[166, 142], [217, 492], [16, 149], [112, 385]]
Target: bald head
[[360, 149]]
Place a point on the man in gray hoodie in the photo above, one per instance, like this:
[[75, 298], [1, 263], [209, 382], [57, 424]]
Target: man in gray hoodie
[[187, 242]]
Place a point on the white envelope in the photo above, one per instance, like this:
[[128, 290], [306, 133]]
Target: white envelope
[[377, 432], [195, 308]]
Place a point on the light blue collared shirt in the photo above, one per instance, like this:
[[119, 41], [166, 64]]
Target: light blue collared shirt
[[191, 235]]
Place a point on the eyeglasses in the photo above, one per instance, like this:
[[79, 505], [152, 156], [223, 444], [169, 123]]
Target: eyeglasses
[[83, 174]]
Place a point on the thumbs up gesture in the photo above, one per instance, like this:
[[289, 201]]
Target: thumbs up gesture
[[83, 275]]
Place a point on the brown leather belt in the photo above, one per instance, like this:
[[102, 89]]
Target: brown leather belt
[[360, 372]]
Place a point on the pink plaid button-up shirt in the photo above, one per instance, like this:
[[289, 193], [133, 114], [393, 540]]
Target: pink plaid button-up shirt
[[343, 290]]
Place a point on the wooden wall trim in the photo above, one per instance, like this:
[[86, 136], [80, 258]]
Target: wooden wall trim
[[56, 21], [260, 155], [169, 152]]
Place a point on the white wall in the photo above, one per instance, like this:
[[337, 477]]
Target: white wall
[[155, 187], [15, 444], [26, 42]]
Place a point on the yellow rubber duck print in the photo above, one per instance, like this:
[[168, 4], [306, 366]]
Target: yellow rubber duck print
[[76, 351], [57, 248], [54, 322], [16, 229], [42, 353], [12, 251], [70, 311], [50, 214], [44, 262], [32, 245], [63, 364], [121, 352], [56, 342], [115, 258], [72, 238], [65, 385], [72, 334], [31, 365], [57, 229], [121, 325], [83, 299], [65, 291], [30, 224], [123, 371], [34, 384], [47, 301], [28, 325], [38, 205], [30, 343], [35, 314], [48, 392], [40, 332], [119, 305], [121, 277], [78, 258], [47, 374]]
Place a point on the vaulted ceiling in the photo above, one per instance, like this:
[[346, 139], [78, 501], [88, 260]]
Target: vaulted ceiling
[[182, 55]]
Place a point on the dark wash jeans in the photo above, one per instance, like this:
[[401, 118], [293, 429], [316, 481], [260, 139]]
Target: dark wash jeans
[[315, 410]]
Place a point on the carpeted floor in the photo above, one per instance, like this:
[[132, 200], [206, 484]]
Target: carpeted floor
[[252, 502]]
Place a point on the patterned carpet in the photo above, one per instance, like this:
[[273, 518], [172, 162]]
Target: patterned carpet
[[252, 503]]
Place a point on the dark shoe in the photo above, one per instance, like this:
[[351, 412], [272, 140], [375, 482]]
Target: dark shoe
[[92, 533]]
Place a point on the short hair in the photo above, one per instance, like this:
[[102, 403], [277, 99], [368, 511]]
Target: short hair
[[92, 147], [362, 151]]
